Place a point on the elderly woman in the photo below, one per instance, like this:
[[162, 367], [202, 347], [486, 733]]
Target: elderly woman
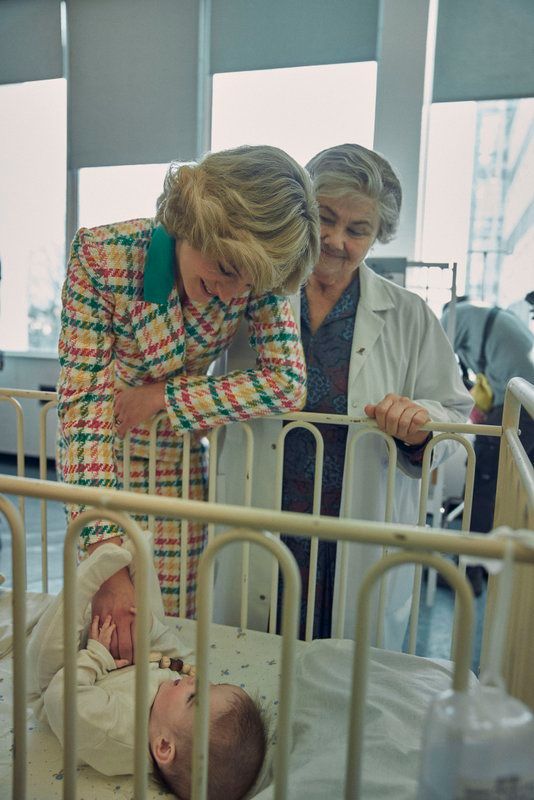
[[147, 306], [373, 349]]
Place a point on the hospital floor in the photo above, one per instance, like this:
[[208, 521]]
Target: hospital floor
[[433, 638]]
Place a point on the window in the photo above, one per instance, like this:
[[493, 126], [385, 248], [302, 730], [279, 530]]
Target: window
[[32, 212], [111, 194], [301, 109], [479, 202]]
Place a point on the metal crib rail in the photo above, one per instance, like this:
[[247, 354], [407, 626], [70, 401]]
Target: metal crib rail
[[462, 654], [302, 419], [515, 507], [113, 504]]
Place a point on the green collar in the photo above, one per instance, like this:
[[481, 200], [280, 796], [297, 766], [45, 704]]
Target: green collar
[[160, 267]]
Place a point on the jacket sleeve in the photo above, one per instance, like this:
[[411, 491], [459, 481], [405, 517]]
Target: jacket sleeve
[[439, 388], [97, 709], [86, 381], [276, 385]]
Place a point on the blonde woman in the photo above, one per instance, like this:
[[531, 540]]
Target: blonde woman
[[147, 306]]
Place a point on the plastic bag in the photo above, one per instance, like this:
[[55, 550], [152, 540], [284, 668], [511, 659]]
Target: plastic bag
[[479, 744]]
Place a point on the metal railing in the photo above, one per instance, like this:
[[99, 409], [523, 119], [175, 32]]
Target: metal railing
[[303, 420], [247, 525]]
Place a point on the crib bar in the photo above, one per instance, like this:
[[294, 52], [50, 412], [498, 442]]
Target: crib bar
[[342, 552], [330, 419], [466, 521], [43, 472], [152, 464], [16, 524], [518, 392], [441, 540], [29, 394], [290, 615], [184, 524], [142, 623], [278, 473], [388, 515], [338, 619], [524, 477], [7, 396], [342, 419], [245, 557], [314, 545], [414, 610], [423, 500], [361, 658], [316, 509], [514, 506], [421, 521], [213, 439], [469, 482]]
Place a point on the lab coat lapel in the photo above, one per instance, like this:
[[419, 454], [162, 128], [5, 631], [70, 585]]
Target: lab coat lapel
[[294, 299], [374, 299]]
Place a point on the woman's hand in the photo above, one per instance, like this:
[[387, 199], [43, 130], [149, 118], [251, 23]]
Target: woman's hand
[[140, 403], [103, 633], [116, 599], [400, 417]]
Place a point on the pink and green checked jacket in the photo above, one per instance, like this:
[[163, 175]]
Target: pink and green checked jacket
[[111, 334]]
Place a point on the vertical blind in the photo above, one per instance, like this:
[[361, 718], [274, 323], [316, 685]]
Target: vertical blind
[[133, 64], [132, 77], [484, 50], [30, 40], [265, 34]]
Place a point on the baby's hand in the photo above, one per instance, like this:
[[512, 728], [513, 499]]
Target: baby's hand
[[103, 633]]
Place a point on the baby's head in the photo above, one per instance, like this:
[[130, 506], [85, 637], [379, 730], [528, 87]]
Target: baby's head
[[237, 738]]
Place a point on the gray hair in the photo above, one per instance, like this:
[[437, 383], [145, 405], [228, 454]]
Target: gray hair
[[350, 170]]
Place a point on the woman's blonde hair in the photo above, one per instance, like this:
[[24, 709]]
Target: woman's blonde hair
[[252, 207], [350, 170]]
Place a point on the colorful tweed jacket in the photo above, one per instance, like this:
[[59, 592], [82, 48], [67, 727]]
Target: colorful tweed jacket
[[112, 334]]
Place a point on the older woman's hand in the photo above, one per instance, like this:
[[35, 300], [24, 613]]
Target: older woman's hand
[[400, 417], [134, 406]]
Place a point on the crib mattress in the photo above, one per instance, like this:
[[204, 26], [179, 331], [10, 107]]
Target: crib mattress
[[400, 688]]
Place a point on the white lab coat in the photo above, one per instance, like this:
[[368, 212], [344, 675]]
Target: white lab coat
[[400, 347]]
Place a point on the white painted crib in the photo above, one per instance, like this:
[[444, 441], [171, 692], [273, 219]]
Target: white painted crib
[[329, 680]]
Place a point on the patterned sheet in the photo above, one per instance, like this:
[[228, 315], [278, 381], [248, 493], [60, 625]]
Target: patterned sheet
[[400, 687]]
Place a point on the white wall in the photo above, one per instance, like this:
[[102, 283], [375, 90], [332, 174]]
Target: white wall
[[27, 372]]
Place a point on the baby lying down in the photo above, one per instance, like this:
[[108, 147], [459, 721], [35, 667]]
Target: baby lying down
[[105, 699]]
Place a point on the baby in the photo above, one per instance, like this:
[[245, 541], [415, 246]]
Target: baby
[[105, 701]]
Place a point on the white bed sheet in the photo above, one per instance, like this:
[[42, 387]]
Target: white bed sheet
[[400, 688]]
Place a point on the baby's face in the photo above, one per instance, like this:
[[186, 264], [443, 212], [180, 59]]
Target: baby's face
[[174, 703]]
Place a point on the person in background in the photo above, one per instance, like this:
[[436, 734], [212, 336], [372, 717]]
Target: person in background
[[508, 353], [148, 304], [374, 351], [524, 310]]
